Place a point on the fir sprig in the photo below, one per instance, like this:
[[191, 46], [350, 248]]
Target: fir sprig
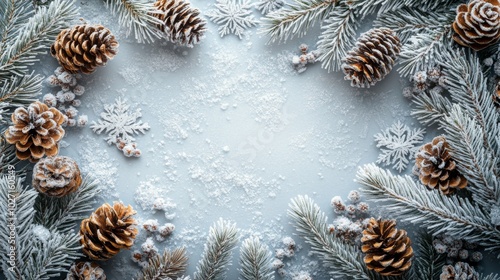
[[169, 265], [429, 263], [255, 260], [222, 239]]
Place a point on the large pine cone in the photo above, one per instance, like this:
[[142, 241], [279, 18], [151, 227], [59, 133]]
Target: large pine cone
[[436, 168], [107, 230], [84, 48], [477, 24], [86, 271], [372, 58], [36, 131], [460, 271], [388, 250], [56, 176], [181, 23]]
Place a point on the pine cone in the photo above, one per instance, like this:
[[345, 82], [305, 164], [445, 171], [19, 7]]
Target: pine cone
[[182, 24], [86, 271], [461, 271], [436, 168], [477, 24], [372, 58], [36, 131], [388, 250], [84, 48], [56, 176], [107, 230]]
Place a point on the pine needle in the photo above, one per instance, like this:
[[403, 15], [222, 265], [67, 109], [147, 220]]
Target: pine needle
[[255, 260], [170, 264]]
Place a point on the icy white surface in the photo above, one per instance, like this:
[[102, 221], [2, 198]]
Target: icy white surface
[[235, 133]]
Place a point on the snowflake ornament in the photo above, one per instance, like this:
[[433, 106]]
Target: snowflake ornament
[[267, 6], [233, 16], [120, 125], [397, 143]]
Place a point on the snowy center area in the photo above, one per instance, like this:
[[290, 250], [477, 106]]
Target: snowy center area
[[234, 132]]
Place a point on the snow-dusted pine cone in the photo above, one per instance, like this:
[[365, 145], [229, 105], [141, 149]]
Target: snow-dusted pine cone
[[436, 168], [108, 230], [388, 250], [36, 131], [182, 24], [86, 271], [460, 271], [56, 176], [477, 24], [84, 48], [372, 58]]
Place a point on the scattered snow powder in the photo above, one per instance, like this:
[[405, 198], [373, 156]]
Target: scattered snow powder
[[41, 233]]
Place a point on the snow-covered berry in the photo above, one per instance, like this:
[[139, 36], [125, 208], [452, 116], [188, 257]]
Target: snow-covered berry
[[303, 48], [280, 253], [408, 92], [59, 70], [71, 112], [463, 254], [476, 256], [350, 209], [149, 247], [53, 81], [76, 103], [70, 122], [337, 204], [289, 243], [488, 61], [166, 229], [69, 96], [433, 75], [277, 264], [354, 196], [151, 225], [50, 100], [295, 60], [363, 207], [79, 90], [420, 77], [65, 77]]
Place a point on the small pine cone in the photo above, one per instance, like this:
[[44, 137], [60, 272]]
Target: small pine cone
[[460, 271], [56, 176], [388, 250], [181, 23], [86, 271], [107, 230], [477, 24], [436, 168], [372, 58], [84, 48], [36, 131]]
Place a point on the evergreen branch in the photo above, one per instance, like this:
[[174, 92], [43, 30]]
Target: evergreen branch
[[425, 5], [473, 159], [8, 157], [409, 21], [166, 266], [337, 37], [137, 17], [295, 19], [255, 260], [16, 216], [489, 277], [19, 92], [430, 108], [412, 202], [342, 259], [222, 238], [422, 50], [13, 13], [429, 263], [61, 214], [35, 37], [53, 256]]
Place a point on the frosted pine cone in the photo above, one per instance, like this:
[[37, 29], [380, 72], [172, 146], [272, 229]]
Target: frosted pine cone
[[460, 271], [86, 271], [84, 48], [477, 24], [181, 23], [372, 58], [388, 250], [436, 168], [56, 176], [36, 131], [108, 230]]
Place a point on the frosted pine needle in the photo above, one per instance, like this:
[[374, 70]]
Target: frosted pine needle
[[233, 16], [267, 6], [397, 144]]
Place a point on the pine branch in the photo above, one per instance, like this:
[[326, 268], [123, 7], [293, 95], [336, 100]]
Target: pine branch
[[8, 157], [18, 92], [430, 108], [341, 259], [166, 266], [255, 260], [429, 263], [35, 37], [222, 238], [425, 5], [13, 13], [412, 202], [491, 276], [61, 214], [337, 37], [16, 216], [137, 17], [295, 19]]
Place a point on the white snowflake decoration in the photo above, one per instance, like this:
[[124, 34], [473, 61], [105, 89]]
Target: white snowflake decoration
[[267, 6], [119, 123], [400, 143], [233, 16]]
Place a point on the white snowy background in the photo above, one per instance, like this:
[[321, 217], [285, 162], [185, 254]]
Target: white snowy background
[[235, 133]]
